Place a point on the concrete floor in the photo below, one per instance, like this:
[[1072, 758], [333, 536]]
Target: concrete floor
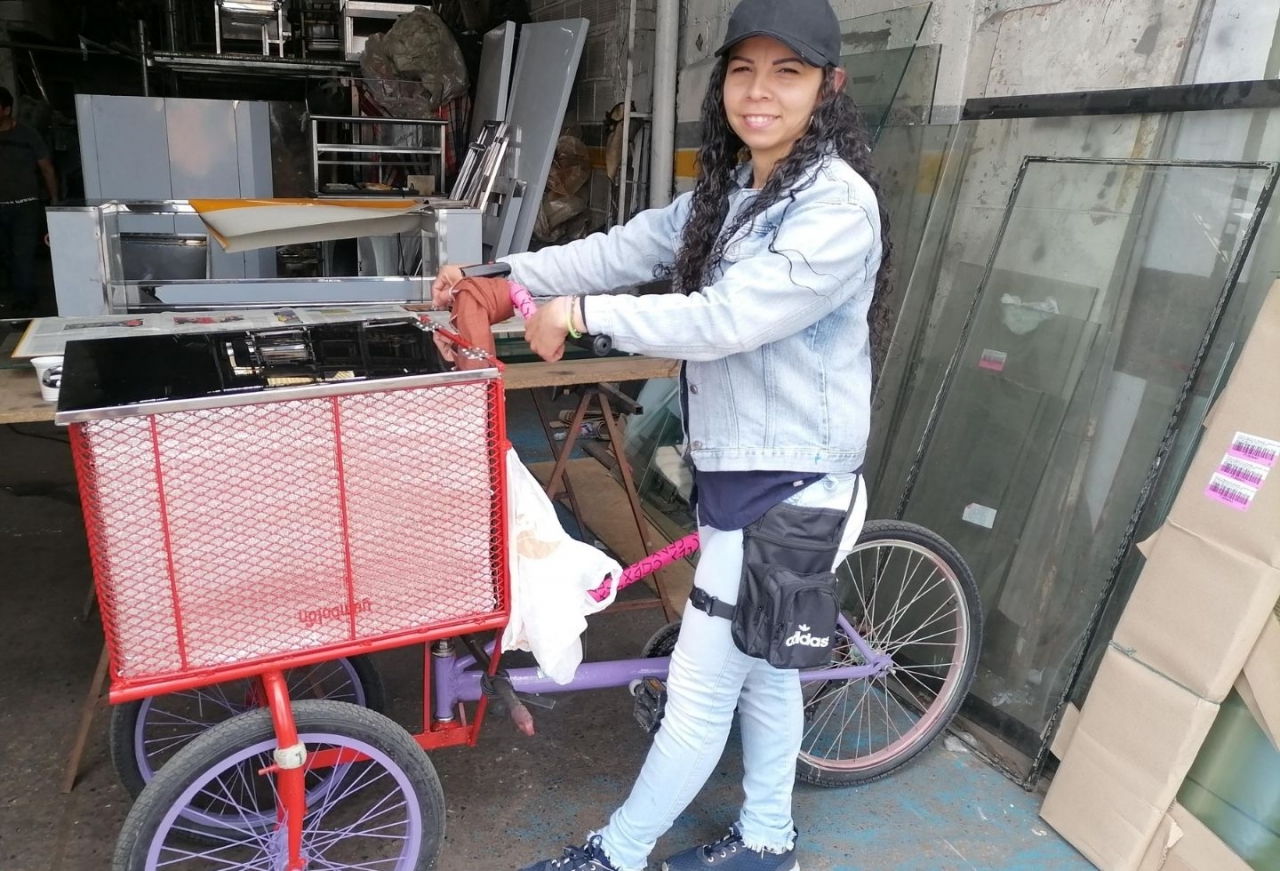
[[510, 801]]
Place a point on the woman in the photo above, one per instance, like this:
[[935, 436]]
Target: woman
[[779, 264]]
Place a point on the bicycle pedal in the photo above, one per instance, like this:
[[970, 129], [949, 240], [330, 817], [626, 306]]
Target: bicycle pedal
[[650, 704]]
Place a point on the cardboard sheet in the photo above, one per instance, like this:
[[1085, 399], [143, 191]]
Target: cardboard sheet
[[1196, 611], [1138, 735]]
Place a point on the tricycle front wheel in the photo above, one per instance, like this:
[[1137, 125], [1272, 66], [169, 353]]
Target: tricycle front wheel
[[373, 799]]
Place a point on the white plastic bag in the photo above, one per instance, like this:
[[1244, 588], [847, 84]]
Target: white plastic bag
[[551, 574]]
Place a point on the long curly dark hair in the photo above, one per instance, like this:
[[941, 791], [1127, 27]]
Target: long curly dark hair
[[835, 124]]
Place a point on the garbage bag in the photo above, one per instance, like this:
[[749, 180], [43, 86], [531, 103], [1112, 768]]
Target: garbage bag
[[564, 214], [551, 574], [415, 67]]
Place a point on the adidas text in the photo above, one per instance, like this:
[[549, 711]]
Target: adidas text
[[808, 640]]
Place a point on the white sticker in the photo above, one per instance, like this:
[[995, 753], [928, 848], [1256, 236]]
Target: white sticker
[[979, 515], [1256, 449], [1243, 471], [993, 360], [1230, 492]]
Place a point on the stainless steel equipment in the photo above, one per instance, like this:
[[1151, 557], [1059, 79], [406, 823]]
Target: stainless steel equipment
[[232, 16], [360, 18], [364, 156], [152, 256], [90, 275]]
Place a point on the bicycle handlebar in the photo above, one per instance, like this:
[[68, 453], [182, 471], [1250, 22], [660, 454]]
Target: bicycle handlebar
[[601, 346]]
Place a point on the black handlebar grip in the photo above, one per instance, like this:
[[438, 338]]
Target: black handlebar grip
[[487, 270], [601, 346]]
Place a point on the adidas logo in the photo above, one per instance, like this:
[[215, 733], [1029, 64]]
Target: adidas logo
[[802, 636]]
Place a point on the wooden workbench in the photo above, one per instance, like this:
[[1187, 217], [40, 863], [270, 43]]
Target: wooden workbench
[[20, 400]]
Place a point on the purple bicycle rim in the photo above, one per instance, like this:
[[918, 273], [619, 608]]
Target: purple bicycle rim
[[139, 726], [413, 838]]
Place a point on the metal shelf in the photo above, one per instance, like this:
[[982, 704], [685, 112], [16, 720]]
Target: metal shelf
[[395, 162], [374, 149]]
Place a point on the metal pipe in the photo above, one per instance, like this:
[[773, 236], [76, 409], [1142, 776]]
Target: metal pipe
[[662, 148], [142, 54], [626, 115], [171, 24]]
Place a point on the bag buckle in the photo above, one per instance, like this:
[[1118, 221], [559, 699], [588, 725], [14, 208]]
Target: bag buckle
[[710, 605]]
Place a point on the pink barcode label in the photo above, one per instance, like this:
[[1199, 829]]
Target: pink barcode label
[[993, 360], [1255, 448], [1243, 471], [1228, 492]]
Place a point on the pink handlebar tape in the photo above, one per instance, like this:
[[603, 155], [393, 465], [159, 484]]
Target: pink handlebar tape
[[522, 300], [650, 564]]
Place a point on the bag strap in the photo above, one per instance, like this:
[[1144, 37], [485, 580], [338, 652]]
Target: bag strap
[[709, 604], [853, 503]]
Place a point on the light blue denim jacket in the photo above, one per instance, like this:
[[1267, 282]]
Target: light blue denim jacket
[[776, 348]]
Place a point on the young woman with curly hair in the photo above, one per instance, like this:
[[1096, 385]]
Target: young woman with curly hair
[[778, 259]]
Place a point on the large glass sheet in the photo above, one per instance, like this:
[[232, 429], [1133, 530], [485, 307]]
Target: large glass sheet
[[1234, 786], [876, 52], [1072, 363], [877, 31], [913, 103], [1238, 133]]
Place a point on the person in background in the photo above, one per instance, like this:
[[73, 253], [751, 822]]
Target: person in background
[[24, 160], [779, 264]]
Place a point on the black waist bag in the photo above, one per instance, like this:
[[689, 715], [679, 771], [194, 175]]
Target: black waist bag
[[787, 601]]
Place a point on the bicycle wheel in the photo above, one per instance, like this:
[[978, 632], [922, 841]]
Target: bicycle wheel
[[210, 808], [908, 594], [662, 642], [146, 733]]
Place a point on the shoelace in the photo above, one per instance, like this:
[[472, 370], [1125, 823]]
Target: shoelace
[[580, 857], [726, 846]]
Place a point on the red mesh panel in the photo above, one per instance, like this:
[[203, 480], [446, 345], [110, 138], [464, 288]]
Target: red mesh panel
[[239, 534]]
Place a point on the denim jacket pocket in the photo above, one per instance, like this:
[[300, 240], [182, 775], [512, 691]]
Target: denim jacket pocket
[[749, 242]]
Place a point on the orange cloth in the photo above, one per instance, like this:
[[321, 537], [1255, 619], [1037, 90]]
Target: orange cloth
[[478, 303]]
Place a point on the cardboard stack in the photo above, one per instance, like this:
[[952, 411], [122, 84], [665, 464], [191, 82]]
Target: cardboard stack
[[1201, 621]]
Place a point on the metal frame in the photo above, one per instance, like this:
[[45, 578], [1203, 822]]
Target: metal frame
[[254, 9], [353, 9], [1262, 94], [451, 232], [1176, 421], [276, 394], [404, 152]]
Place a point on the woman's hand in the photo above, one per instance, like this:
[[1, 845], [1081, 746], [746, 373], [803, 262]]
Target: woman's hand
[[547, 330], [442, 287]]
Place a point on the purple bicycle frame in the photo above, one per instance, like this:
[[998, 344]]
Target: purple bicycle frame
[[457, 679]]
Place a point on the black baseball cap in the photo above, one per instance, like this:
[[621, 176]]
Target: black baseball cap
[[809, 27]]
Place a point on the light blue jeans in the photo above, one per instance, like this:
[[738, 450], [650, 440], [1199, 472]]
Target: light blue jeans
[[709, 678]]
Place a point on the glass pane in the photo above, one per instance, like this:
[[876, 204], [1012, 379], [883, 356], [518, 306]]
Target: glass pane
[[893, 28], [877, 51], [1099, 294], [1232, 787], [913, 104], [931, 303], [654, 446], [1241, 313]]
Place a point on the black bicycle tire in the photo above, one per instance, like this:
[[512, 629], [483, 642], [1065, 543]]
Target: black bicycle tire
[[662, 642]]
